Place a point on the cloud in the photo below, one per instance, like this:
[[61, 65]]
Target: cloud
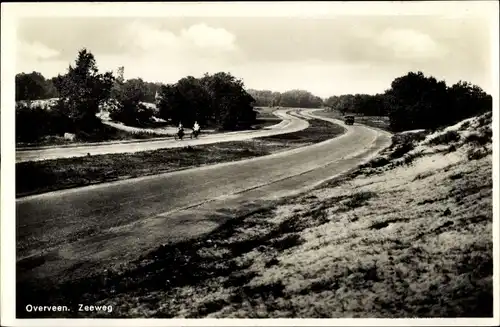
[[204, 36], [155, 53], [147, 38], [196, 40], [410, 44], [36, 50]]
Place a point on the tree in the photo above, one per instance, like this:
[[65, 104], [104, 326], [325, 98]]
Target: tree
[[231, 104], [417, 102], [218, 100], [130, 111], [468, 100], [34, 86], [82, 90]]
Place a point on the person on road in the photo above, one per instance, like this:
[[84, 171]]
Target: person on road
[[196, 127], [180, 130]]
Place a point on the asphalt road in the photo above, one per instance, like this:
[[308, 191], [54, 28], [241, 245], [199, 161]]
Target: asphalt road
[[289, 124], [71, 233]]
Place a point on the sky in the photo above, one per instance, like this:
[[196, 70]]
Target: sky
[[327, 55]]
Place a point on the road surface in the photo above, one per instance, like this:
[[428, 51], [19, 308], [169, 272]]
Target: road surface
[[289, 124], [71, 233]]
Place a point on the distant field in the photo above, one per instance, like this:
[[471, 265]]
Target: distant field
[[266, 113], [381, 122]]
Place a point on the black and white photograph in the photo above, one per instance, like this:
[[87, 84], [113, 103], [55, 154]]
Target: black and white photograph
[[250, 160]]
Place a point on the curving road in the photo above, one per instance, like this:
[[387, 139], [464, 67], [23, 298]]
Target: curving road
[[75, 232], [289, 124]]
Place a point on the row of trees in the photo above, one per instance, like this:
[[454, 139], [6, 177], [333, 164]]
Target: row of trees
[[34, 86], [365, 104], [415, 101], [292, 98]]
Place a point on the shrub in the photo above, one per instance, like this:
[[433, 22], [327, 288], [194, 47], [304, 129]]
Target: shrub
[[35, 122], [476, 154], [132, 114], [375, 163], [464, 126], [485, 119], [401, 150], [445, 138], [479, 138], [403, 138]]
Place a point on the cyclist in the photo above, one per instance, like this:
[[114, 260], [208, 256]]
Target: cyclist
[[180, 130], [196, 130], [196, 127]]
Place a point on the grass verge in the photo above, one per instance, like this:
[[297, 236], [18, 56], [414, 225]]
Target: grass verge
[[50, 175]]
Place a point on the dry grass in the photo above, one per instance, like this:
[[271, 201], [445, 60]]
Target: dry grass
[[398, 240]]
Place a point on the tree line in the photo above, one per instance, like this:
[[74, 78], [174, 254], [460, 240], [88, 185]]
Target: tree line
[[416, 101], [293, 99], [34, 86]]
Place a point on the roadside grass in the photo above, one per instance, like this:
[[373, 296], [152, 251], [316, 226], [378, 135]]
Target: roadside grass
[[261, 123], [381, 122], [318, 130], [407, 241], [266, 113], [49, 175]]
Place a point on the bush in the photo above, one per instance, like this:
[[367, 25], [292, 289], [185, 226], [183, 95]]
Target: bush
[[464, 126], [35, 122], [375, 163], [403, 138], [476, 154], [401, 150], [403, 143], [445, 138], [131, 114], [486, 119], [479, 138]]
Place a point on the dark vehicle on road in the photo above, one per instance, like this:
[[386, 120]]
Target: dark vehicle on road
[[349, 120]]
